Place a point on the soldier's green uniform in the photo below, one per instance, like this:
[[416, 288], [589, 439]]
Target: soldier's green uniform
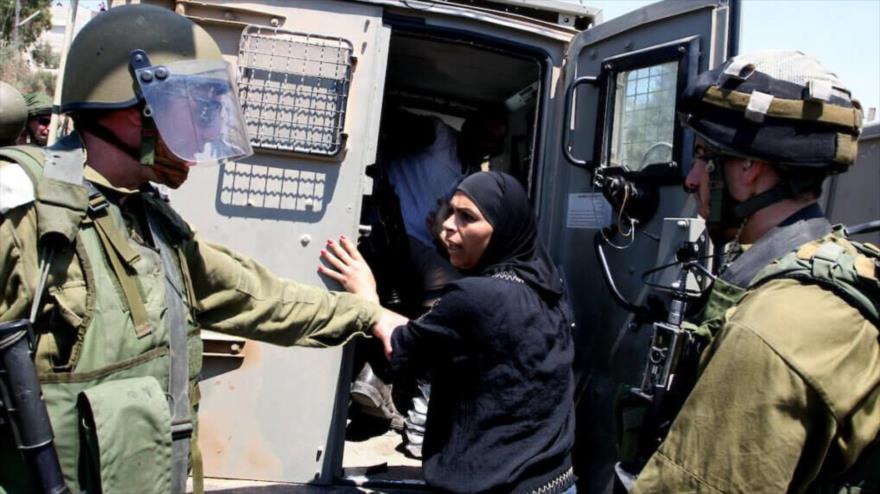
[[788, 396], [123, 285], [788, 393], [87, 335]]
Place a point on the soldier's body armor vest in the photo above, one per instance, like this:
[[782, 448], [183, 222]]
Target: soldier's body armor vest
[[850, 270], [846, 268], [109, 400]]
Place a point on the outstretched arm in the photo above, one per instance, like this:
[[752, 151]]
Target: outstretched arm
[[236, 295]]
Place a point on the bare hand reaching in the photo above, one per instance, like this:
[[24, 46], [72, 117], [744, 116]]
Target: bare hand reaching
[[384, 328], [349, 269]]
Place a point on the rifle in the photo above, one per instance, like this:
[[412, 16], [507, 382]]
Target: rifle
[[670, 340], [671, 364], [22, 400]]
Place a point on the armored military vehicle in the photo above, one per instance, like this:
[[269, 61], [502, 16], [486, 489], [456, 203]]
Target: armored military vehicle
[[592, 133]]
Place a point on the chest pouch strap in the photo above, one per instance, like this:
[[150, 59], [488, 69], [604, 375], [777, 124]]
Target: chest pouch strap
[[122, 258], [178, 383]]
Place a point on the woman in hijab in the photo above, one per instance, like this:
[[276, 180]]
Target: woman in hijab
[[497, 343]]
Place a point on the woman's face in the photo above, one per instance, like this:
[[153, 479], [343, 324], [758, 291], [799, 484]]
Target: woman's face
[[466, 232]]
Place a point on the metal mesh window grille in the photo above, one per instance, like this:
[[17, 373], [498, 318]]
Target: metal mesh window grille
[[644, 116], [294, 89], [267, 189]]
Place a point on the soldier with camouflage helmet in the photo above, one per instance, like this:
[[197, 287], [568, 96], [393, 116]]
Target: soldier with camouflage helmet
[[116, 283], [787, 398], [39, 109], [13, 114]]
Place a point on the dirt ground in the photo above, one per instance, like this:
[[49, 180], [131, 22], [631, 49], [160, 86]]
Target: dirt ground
[[371, 457]]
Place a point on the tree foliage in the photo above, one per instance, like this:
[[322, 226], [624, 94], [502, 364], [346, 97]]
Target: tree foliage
[[43, 55], [29, 32], [15, 71]]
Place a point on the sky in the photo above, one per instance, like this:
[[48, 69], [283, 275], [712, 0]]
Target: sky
[[843, 34]]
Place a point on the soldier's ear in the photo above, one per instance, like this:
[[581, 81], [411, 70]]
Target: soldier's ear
[[753, 170]]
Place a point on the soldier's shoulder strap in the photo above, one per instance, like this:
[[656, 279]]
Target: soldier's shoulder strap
[[28, 156], [19, 178], [851, 270], [848, 268]]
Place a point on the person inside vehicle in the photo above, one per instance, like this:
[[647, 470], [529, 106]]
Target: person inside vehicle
[[498, 340], [426, 158]]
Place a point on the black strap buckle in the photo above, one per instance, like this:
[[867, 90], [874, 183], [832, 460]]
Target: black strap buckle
[[97, 202], [181, 430]]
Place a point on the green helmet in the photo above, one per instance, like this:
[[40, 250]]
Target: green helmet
[[97, 74], [38, 104], [142, 55], [13, 113]]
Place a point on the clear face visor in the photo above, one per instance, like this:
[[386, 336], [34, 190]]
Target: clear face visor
[[195, 107]]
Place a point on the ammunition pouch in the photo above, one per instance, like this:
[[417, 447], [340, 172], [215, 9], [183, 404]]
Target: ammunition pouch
[[125, 437]]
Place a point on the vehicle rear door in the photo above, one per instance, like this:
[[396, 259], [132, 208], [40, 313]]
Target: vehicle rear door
[[311, 76], [619, 161]]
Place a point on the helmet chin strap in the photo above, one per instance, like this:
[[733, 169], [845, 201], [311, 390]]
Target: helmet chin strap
[[110, 137], [149, 137], [782, 190], [146, 154], [726, 212], [721, 204]]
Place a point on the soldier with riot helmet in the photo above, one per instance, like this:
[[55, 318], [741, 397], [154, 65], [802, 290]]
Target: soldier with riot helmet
[[116, 284], [787, 398]]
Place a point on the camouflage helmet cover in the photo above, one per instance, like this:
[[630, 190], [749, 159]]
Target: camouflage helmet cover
[[13, 113], [97, 72], [783, 107], [38, 104]]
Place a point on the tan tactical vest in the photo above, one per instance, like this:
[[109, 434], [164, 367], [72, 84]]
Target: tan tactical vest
[[109, 401]]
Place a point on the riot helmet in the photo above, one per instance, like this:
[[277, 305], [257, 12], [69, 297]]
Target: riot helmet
[[780, 107], [13, 114], [147, 56]]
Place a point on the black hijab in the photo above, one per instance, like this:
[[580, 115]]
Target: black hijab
[[514, 245]]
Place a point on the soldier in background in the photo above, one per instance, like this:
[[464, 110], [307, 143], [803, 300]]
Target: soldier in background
[[36, 132], [116, 283], [788, 394]]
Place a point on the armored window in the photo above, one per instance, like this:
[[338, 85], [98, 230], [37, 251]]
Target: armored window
[[644, 116], [294, 89]]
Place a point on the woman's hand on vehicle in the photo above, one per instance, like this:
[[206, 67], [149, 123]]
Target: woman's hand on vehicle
[[348, 267]]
